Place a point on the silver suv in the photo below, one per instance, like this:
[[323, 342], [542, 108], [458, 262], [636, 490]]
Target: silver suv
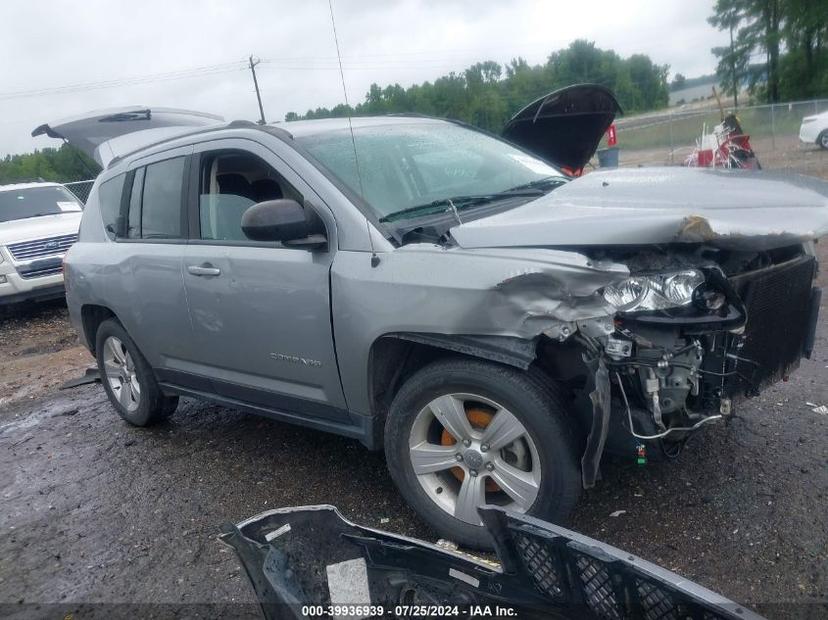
[[443, 294]]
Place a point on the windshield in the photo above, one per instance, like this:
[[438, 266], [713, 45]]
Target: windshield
[[410, 164], [36, 201]]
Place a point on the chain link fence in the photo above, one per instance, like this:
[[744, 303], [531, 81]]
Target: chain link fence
[[669, 137], [80, 189]]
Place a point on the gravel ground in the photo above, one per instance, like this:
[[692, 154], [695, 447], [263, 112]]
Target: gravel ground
[[94, 511], [38, 350]]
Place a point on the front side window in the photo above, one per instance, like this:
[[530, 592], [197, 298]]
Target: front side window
[[410, 164], [19, 204], [231, 182], [161, 199]]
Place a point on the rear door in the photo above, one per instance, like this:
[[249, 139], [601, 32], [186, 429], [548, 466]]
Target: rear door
[[151, 241], [260, 312]]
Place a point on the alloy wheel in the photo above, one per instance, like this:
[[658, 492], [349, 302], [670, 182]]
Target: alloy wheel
[[467, 451], [120, 374]]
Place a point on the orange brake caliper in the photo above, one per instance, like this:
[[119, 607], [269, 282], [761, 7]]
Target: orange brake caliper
[[479, 419]]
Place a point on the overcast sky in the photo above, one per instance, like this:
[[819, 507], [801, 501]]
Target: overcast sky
[[192, 55]]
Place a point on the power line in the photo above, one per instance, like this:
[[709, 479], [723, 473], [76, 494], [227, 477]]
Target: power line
[[297, 63], [433, 53], [140, 79], [417, 60], [443, 66]]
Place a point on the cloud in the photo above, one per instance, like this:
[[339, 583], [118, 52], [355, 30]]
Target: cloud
[[78, 43]]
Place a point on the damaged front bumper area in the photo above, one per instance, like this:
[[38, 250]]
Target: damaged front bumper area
[[309, 561], [657, 376]]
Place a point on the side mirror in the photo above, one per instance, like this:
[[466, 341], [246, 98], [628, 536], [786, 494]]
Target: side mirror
[[281, 220]]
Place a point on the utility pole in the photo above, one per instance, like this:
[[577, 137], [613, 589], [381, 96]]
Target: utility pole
[[733, 71], [253, 64]]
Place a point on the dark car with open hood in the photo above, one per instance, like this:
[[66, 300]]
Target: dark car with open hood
[[451, 297]]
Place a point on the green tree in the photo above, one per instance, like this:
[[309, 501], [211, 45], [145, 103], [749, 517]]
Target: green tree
[[678, 82], [804, 67], [63, 165], [487, 94], [734, 59], [791, 34]]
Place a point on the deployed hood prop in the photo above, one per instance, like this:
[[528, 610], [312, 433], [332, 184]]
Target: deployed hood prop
[[107, 134], [565, 126]]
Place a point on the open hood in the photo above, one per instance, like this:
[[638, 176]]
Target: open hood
[[107, 134], [565, 126], [643, 206]]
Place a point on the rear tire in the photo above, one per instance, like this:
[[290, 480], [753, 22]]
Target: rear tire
[[536, 473], [822, 139], [128, 378]]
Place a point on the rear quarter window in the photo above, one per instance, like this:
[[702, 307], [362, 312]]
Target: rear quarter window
[[109, 198], [134, 218]]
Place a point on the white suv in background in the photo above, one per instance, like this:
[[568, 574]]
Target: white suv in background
[[38, 223]]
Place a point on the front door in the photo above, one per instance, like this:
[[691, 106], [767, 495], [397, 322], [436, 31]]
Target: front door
[[260, 312]]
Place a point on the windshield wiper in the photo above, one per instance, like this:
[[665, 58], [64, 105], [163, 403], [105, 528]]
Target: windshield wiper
[[445, 205], [544, 183]]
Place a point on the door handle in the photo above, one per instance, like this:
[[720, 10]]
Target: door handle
[[204, 270]]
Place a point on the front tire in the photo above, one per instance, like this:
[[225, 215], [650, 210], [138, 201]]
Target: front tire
[[128, 378], [822, 139], [465, 433]]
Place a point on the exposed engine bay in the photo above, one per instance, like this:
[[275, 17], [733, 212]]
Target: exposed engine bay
[[660, 373]]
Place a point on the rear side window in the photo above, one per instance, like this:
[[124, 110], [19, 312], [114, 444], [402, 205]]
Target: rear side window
[[109, 196], [155, 201], [161, 200]]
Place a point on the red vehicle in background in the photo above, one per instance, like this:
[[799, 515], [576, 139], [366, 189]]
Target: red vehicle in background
[[726, 146]]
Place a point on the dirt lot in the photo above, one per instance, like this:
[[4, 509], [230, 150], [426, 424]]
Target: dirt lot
[[95, 513]]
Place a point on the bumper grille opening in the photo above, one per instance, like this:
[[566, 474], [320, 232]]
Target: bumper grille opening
[[597, 584], [657, 604], [40, 273], [41, 268], [573, 575], [541, 565]]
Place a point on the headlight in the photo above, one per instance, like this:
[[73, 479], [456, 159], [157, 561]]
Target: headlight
[[1, 255], [654, 292]]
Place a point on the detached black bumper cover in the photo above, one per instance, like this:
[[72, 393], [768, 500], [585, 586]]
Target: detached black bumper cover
[[310, 555]]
